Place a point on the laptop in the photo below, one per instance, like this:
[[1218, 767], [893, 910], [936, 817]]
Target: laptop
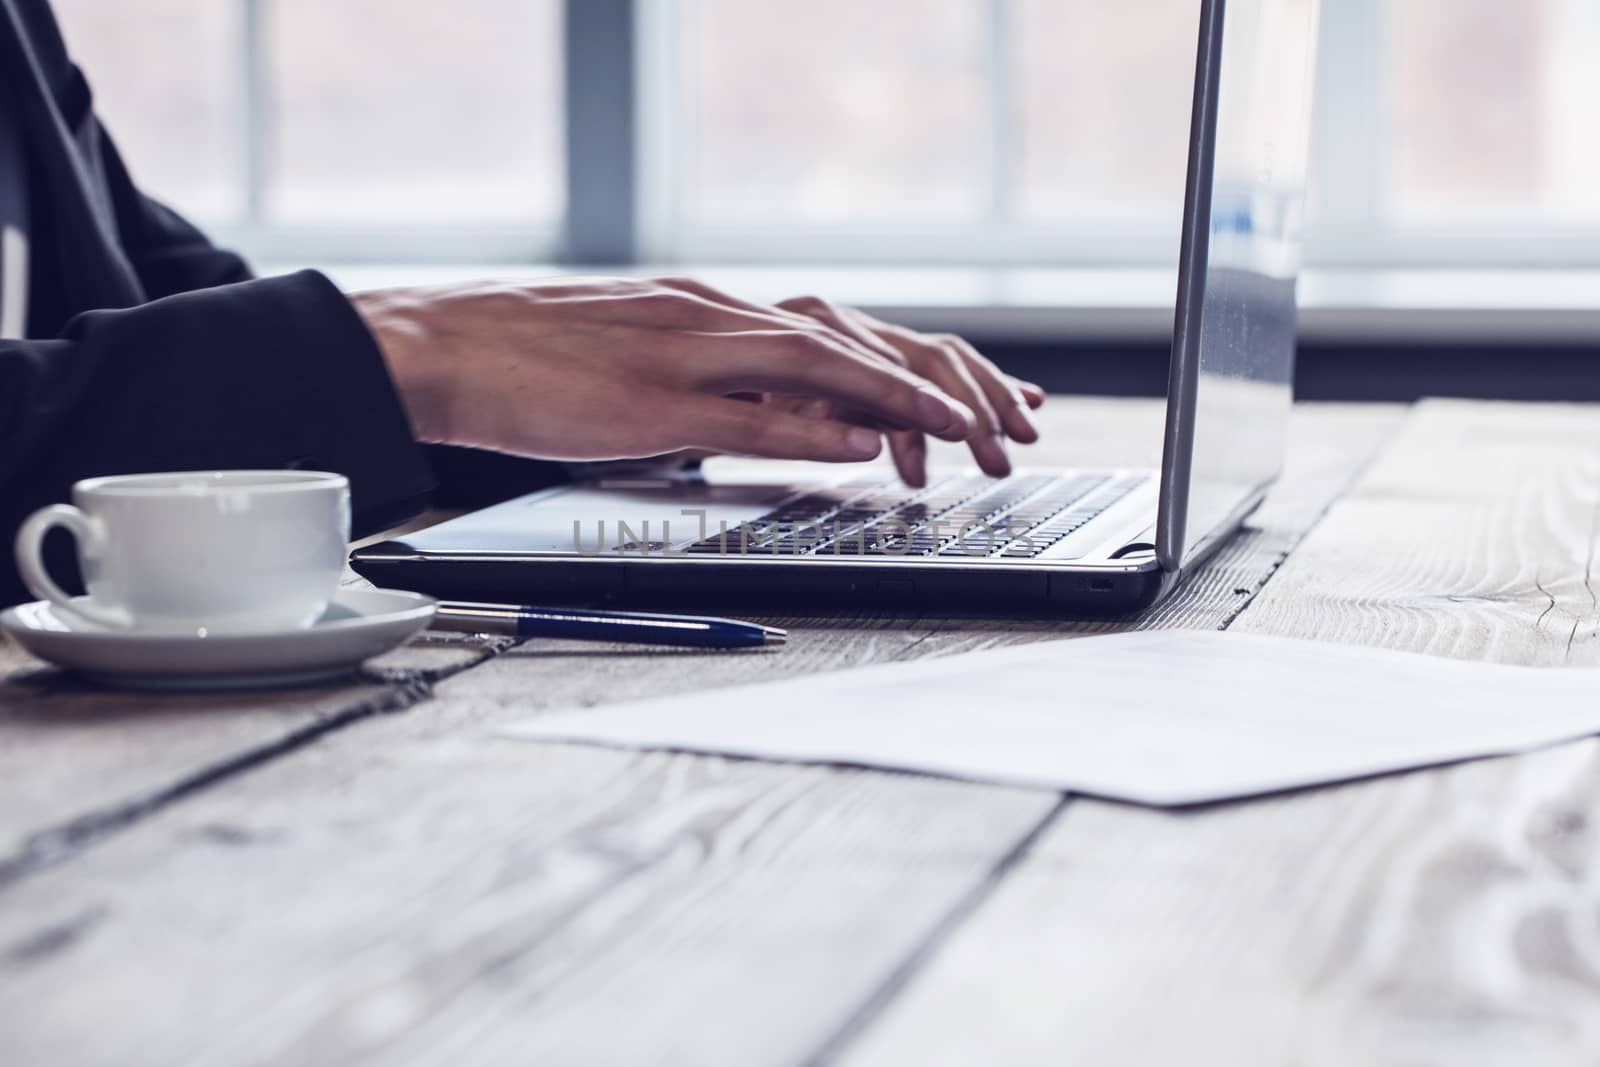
[[1038, 542]]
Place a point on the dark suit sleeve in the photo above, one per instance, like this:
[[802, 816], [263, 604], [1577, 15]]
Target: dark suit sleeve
[[171, 256], [195, 366], [268, 373]]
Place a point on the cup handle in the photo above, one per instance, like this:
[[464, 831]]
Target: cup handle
[[30, 561]]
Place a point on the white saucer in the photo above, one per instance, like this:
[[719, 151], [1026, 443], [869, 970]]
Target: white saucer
[[359, 624]]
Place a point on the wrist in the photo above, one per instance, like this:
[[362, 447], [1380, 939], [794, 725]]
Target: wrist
[[396, 320]]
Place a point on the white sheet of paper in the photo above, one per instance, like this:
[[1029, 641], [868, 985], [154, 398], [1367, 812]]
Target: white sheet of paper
[[1164, 718]]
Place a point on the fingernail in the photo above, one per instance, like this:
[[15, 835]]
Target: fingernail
[[862, 442]]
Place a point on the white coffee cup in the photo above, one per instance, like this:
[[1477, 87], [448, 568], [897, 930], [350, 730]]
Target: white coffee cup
[[202, 552]]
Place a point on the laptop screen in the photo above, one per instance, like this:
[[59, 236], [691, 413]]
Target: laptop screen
[[1233, 345]]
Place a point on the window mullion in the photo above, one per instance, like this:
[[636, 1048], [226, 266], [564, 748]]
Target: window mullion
[[255, 130], [666, 125], [1000, 86], [602, 121]]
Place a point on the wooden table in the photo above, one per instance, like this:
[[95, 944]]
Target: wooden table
[[364, 874]]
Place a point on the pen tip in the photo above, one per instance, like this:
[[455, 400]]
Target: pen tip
[[775, 637]]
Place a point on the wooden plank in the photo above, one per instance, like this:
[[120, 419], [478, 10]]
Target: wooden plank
[[416, 890], [1441, 917], [1329, 446], [1474, 537], [77, 760], [459, 900]]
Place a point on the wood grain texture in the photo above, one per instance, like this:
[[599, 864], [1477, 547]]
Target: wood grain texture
[[74, 757], [1438, 918], [1445, 917], [1474, 536], [73, 753], [497, 902], [414, 891]]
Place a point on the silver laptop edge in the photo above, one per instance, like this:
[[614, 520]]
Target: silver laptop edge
[[1232, 362]]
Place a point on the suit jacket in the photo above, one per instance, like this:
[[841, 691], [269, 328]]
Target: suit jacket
[[129, 343]]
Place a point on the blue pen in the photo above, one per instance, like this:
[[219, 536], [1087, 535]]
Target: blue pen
[[587, 624]]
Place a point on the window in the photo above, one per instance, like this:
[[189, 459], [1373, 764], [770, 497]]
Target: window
[[948, 131], [1490, 111], [386, 112], [1457, 132], [970, 131], [163, 72], [812, 126], [358, 129]]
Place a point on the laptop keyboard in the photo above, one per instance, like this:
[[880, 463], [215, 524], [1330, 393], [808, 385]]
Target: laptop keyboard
[[966, 517]]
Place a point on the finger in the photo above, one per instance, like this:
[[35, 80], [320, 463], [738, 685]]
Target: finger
[[1033, 393], [632, 301], [816, 363], [746, 430], [668, 303], [799, 310], [821, 408], [910, 453], [946, 365], [910, 450], [1005, 397], [820, 310], [808, 312], [1008, 401], [815, 310], [815, 409], [711, 294], [956, 379]]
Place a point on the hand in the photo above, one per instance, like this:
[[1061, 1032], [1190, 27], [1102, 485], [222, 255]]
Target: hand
[[1000, 402], [584, 369]]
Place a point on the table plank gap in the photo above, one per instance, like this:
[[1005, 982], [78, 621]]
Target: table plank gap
[[962, 909], [1441, 917], [379, 690], [416, 891]]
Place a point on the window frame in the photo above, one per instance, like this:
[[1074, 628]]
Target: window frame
[[625, 128], [271, 242]]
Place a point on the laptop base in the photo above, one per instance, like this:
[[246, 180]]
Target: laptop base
[[702, 586]]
